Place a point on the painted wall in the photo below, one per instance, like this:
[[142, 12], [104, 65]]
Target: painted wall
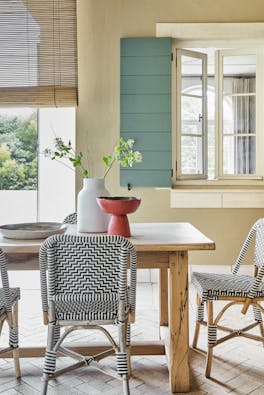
[[101, 23]]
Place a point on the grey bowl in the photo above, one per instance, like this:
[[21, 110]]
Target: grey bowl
[[32, 230]]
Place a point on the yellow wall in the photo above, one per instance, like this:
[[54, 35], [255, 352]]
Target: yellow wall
[[101, 23]]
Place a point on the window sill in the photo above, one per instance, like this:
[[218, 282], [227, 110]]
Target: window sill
[[216, 198]]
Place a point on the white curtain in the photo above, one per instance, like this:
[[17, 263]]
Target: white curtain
[[244, 109]]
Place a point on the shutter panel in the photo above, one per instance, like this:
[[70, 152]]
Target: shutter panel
[[145, 103]]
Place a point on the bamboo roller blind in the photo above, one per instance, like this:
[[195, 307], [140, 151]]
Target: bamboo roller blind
[[38, 53]]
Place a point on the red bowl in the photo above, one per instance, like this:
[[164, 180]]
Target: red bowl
[[118, 205]]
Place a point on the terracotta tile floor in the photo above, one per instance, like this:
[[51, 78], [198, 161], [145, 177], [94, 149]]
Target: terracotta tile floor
[[238, 366]]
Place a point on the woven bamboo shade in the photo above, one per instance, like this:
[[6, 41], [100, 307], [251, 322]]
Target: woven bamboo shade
[[38, 53]]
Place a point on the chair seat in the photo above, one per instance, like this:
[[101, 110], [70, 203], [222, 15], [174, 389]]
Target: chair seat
[[15, 295], [88, 310], [210, 286]]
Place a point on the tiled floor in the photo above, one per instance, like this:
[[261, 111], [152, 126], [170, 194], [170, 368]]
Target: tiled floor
[[238, 366]]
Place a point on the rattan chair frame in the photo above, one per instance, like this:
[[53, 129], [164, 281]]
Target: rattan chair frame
[[250, 299], [9, 314], [56, 293]]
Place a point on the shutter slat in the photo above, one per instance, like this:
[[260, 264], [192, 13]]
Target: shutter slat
[[145, 122], [145, 84], [144, 143], [146, 46], [145, 104], [146, 178], [146, 65]]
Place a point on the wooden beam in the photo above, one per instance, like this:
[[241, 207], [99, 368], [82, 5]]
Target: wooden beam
[[137, 348]]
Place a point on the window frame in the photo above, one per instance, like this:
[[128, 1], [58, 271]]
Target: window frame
[[233, 181], [179, 93], [46, 197], [219, 113]]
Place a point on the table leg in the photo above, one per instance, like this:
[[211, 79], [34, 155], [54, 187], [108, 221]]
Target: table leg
[[178, 322], [163, 297]]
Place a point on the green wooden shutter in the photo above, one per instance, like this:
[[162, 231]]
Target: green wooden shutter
[[145, 103]]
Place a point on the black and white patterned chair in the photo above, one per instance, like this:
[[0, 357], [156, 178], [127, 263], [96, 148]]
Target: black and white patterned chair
[[234, 288], [87, 285], [9, 312], [71, 219]]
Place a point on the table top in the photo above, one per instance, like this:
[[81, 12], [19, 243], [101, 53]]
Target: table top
[[159, 236]]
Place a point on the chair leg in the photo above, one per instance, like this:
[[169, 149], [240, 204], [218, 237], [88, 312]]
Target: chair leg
[[50, 358], [199, 317], [122, 366], [45, 385], [211, 338], [126, 387], [56, 334], [258, 318], [128, 347], [14, 339], [16, 362]]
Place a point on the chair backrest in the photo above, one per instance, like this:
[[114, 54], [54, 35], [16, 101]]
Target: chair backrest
[[256, 233], [71, 219], [94, 267], [259, 243], [5, 282]]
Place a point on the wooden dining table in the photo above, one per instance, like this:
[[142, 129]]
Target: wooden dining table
[[162, 246]]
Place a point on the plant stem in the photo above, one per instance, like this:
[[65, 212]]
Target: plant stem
[[64, 164], [109, 167]]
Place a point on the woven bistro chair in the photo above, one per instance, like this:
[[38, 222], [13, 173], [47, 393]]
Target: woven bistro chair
[[9, 312], [235, 289], [71, 219], [85, 284]]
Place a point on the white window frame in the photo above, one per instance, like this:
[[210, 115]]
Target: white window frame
[[219, 175], [179, 95], [218, 35], [220, 54]]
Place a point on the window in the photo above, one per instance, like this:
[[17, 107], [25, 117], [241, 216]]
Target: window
[[38, 93], [222, 147], [31, 186], [196, 148], [191, 116]]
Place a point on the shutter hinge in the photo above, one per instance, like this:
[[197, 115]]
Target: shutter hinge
[[176, 165], [172, 56], [171, 172]]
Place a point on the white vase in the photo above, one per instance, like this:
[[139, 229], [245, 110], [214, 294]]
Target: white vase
[[90, 218]]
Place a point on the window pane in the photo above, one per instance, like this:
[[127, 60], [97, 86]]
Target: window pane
[[191, 155], [241, 66], [191, 115], [18, 164], [189, 82], [18, 149], [190, 66], [239, 155], [239, 115], [56, 199]]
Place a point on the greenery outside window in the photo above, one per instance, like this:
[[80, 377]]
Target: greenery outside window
[[18, 149], [31, 186]]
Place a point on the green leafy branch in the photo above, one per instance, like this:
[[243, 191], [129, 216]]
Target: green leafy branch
[[64, 150], [123, 154]]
